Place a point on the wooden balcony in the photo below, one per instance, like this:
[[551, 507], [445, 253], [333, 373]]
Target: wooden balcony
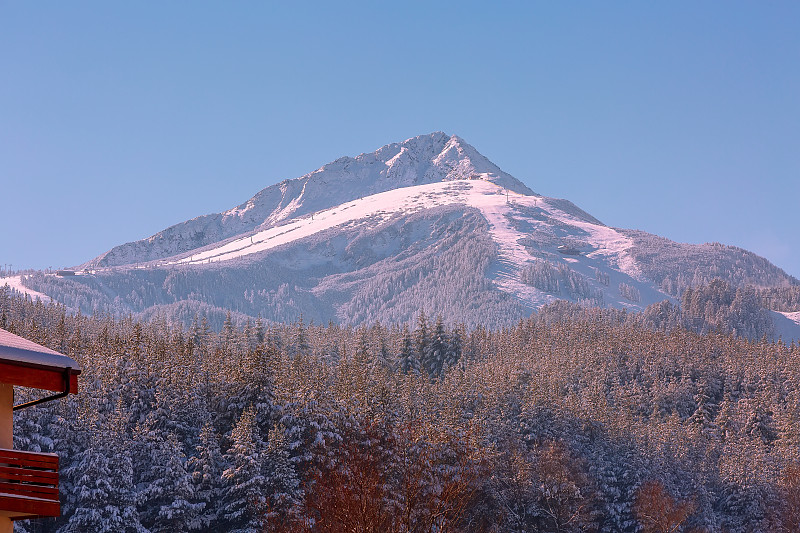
[[28, 484]]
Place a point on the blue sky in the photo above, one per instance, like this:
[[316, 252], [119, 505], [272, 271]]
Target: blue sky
[[120, 119]]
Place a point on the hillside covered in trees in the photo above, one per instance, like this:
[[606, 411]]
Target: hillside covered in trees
[[575, 419]]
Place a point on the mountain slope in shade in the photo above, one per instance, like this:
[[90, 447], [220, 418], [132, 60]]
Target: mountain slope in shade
[[426, 224]]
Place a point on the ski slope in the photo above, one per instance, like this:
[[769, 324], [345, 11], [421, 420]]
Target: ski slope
[[15, 282]]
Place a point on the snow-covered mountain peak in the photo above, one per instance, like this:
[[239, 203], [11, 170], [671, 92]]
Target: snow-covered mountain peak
[[425, 159]]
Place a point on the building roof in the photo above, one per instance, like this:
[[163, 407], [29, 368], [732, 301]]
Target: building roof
[[28, 364], [15, 348]]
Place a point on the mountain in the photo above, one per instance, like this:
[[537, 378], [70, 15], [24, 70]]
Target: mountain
[[417, 161], [428, 224]]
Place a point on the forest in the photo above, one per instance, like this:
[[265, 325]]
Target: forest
[[574, 419]]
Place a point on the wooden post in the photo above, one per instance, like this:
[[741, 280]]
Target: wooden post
[[6, 436], [6, 416]]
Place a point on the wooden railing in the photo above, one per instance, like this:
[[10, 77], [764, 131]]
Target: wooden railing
[[28, 484]]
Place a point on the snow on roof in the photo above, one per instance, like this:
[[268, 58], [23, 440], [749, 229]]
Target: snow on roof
[[15, 348]]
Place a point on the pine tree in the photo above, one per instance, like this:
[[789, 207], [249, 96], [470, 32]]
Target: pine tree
[[435, 356], [454, 348], [300, 346], [703, 416], [228, 331], [105, 501], [381, 358], [255, 384], [244, 497], [206, 468], [166, 496], [30, 431], [282, 483], [362, 355], [760, 424], [421, 339], [259, 330], [407, 357]]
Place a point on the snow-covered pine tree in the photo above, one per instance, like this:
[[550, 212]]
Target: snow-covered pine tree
[[362, 353], [166, 493], [228, 337], [29, 430], [206, 467], [434, 359], [70, 439], [244, 494], [282, 483], [300, 345], [380, 351], [407, 356], [703, 417], [254, 386], [105, 500], [454, 348], [421, 338]]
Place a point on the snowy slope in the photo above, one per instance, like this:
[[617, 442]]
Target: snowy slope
[[15, 282], [787, 325]]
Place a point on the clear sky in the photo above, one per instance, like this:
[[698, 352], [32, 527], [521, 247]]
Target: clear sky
[[120, 119]]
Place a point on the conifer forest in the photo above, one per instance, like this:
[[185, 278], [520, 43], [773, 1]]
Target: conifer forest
[[575, 419]]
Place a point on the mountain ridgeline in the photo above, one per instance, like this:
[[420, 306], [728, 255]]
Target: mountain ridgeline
[[427, 224]]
